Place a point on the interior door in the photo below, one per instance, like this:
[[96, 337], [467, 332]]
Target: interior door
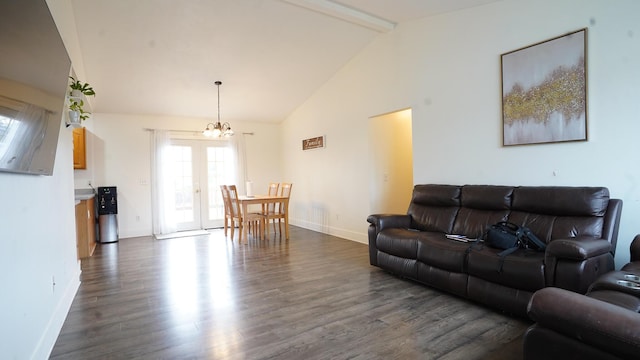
[[198, 169]]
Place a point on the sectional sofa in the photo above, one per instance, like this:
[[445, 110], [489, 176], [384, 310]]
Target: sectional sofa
[[579, 225]]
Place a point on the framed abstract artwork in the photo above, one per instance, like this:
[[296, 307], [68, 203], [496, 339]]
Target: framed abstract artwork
[[544, 91]]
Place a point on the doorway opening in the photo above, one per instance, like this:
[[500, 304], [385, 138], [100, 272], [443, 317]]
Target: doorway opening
[[391, 162]]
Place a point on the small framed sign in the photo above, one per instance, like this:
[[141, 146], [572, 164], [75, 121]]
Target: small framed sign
[[313, 143]]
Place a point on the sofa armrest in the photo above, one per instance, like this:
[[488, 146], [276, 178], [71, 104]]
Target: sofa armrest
[[577, 249], [379, 222], [595, 322], [612, 223], [384, 221], [635, 248]]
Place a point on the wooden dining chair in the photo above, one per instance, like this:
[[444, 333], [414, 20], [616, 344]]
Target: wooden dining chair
[[228, 217], [256, 220], [270, 208], [279, 211]]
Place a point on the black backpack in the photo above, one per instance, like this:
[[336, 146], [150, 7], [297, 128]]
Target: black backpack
[[511, 237]]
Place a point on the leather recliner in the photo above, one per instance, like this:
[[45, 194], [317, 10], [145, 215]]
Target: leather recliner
[[603, 324]]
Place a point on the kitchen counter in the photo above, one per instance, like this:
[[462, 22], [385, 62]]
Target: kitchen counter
[[85, 222], [84, 194]]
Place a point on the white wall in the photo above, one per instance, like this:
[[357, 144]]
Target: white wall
[[447, 69], [37, 245], [119, 154]]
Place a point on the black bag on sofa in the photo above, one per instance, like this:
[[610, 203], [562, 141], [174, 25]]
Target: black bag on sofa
[[511, 237], [506, 235], [503, 235]]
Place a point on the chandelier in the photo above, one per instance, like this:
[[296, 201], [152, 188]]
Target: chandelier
[[218, 129]]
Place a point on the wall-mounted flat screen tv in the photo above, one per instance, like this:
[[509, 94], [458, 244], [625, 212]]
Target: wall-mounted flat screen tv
[[34, 78]]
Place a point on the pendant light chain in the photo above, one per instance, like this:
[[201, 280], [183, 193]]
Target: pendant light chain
[[218, 83], [218, 129]]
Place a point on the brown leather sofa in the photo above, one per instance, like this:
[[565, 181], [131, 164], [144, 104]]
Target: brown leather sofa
[[579, 225], [604, 324]]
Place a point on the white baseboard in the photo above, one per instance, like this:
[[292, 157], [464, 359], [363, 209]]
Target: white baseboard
[[134, 233], [341, 233], [51, 332]]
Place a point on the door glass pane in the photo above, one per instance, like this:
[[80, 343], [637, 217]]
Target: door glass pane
[[219, 172], [183, 182]]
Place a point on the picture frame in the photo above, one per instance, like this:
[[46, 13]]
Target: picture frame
[[317, 142], [544, 91]]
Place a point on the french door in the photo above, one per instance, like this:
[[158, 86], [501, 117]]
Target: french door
[[198, 169]]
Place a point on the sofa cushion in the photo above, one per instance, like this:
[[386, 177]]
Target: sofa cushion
[[436, 250], [398, 242], [404, 267], [486, 197], [510, 300], [554, 212], [434, 207], [480, 207], [450, 281], [474, 222], [522, 269], [549, 227], [561, 201]]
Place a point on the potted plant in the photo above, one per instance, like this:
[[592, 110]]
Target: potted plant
[[79, 88], [77, 113], [76, 101]]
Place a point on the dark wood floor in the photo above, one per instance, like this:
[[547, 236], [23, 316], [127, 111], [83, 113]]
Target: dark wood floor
[[312, 297]]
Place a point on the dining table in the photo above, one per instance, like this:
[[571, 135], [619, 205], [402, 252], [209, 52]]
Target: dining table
[[245, 201]]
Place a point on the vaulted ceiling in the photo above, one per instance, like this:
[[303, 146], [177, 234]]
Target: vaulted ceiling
[[162, 57]]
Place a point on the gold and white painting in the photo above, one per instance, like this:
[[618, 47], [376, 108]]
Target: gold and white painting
[[544, 91]]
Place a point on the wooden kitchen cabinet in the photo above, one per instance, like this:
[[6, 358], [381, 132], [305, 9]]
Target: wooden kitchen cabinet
[[79, 149], [86, 228]]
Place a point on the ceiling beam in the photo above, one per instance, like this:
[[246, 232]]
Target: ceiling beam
[[345, 13]]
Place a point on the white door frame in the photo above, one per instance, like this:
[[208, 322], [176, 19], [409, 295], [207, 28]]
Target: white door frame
[[200, 191]]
